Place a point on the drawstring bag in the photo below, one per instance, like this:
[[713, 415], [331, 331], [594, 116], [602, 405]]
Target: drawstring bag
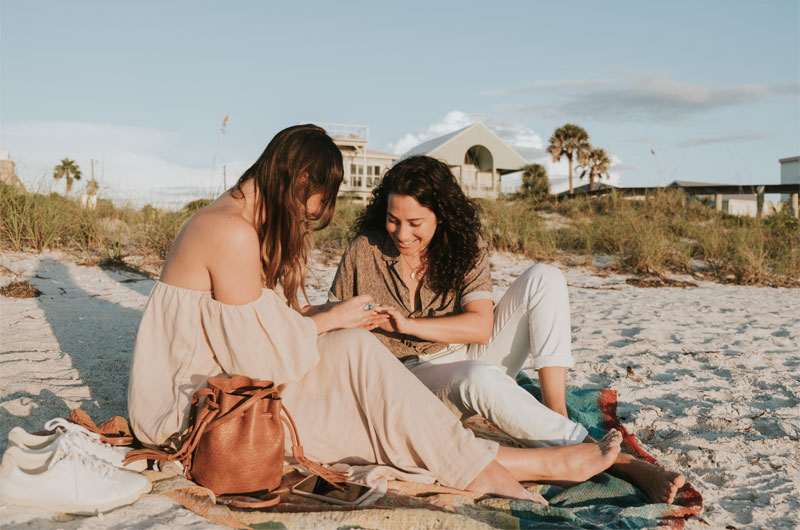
[[235, 442]]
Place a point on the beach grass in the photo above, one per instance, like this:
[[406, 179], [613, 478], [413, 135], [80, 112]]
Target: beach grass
[[664, 232]]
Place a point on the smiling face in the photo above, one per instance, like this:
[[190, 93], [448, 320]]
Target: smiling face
[[410, 225]]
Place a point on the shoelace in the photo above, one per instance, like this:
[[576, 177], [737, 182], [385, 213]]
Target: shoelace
[[68, 449], [80, 436]]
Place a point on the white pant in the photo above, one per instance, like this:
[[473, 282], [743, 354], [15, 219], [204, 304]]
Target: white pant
[[532, 319]]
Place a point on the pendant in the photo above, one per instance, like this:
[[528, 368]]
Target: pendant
[[413, 274]]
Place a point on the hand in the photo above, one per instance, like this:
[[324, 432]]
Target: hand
[[352, 313], [395, 322]]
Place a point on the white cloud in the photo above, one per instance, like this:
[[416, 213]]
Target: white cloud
[[724, 139], [135, 164], [634, 97], [548, 85]]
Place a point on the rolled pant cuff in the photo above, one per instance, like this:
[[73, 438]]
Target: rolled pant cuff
[[563, 361]]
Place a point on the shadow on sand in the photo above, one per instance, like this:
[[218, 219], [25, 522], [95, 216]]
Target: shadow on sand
[[98, 338]]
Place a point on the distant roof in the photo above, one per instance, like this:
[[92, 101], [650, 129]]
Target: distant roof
[[432, 145], [693, 184], [585, 187], [452, 147], [790, 159]]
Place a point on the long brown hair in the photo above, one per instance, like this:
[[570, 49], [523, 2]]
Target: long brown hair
[[298, 162]]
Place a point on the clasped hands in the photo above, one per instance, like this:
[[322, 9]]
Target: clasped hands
[[362, 312]]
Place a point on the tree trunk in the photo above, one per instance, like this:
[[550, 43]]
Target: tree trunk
[[571, 189], [69, 186]]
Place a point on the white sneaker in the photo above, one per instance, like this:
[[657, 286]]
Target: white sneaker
[[67, 479], [89, 441]]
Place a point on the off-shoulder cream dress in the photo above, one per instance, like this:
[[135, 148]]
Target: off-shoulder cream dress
[[352, 400]]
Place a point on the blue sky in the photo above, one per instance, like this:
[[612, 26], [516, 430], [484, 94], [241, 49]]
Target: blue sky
[[712, 88]]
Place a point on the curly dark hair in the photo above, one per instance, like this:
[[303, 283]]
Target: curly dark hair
[[453, 251]]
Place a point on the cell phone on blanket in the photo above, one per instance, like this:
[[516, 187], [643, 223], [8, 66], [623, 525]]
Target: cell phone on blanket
[[314, 487]]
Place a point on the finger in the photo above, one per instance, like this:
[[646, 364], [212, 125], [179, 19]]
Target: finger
[[377, 321], [362, 299], [389, 310]]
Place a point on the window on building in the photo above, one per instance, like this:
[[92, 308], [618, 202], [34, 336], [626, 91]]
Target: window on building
[[377, 170], [352, 169], [369, 171], [360, 170]]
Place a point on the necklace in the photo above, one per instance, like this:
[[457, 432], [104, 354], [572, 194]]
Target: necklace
[[418, 271]]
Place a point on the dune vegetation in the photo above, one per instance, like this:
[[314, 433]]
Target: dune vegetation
[[666, 232]]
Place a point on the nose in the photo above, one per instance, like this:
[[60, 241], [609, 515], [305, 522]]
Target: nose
[[402, 232]]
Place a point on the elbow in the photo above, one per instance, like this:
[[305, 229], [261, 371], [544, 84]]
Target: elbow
[[484, 337]]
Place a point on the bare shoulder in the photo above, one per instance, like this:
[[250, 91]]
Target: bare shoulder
[[220, 228], [215, 241]]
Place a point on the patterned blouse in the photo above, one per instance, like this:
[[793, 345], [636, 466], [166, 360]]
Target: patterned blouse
[[371, 265]]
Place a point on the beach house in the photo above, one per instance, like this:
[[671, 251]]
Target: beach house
[[790, 174], [478, 158], [8, 173], [363, 167]]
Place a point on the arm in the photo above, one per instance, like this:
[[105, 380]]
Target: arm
[[473, 325], [233, 259]]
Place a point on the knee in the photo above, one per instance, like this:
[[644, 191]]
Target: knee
[[541, 276], [478, 377]]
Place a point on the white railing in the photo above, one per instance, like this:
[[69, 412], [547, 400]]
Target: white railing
[[346, 130]]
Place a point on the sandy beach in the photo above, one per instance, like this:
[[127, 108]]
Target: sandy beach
[[707, 376]]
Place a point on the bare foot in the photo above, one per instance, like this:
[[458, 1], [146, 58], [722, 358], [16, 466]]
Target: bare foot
[[497, 480], [566, 465], [660, 484], [580, 462]]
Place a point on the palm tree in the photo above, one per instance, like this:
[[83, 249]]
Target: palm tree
[[534, 182], [596, 165], [69, 170], [571, 141]]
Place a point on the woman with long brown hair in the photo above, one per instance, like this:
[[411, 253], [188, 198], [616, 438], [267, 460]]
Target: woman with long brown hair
[[227, 303]]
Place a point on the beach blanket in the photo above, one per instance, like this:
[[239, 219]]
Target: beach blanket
[[602, 502]]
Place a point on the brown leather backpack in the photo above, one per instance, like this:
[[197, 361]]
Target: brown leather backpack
[[235, 442]]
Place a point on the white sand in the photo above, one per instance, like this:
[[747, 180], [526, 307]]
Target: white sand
[[714, 390]]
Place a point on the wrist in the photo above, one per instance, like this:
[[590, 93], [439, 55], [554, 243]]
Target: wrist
[[411, 326], [323, 321]]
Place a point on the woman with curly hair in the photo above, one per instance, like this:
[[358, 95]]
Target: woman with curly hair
[[419, 254]]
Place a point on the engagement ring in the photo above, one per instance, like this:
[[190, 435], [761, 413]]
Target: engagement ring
[[369, 307]]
